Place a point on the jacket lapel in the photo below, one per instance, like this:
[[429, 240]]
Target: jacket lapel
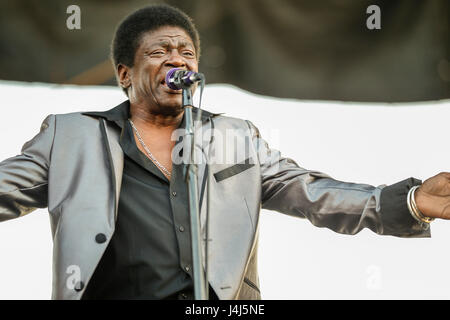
[[111, 136], [116, 158]]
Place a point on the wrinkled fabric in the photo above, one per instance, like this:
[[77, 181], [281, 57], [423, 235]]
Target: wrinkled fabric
[[74, 166]]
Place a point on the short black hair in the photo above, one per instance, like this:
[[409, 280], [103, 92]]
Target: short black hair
[[130, 30]]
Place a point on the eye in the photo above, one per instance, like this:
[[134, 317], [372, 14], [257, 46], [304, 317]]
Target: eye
[[158, 52], [189, 53]]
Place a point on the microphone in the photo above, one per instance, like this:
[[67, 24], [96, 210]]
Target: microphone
[[177, 78]]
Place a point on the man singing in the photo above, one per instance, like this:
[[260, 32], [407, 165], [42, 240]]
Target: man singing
[[118, 200]]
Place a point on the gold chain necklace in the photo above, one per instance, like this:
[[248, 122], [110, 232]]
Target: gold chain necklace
[[151, 156]]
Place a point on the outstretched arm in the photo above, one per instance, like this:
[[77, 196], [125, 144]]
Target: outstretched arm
[[340, 206], [24, 178]]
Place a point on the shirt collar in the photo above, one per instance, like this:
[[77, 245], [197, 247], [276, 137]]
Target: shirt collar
[[121, 113]]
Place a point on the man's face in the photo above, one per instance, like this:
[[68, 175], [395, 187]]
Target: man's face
[[159, 51]]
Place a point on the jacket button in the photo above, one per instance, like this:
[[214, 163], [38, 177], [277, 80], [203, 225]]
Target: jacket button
[[79, 286], [100, 238]]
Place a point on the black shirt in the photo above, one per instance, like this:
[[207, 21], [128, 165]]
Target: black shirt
[[149, 255]]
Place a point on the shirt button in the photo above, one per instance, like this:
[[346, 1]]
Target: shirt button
[[174, 193], [181, 228]]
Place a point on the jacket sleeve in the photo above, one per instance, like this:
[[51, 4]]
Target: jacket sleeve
[[24, 178], [340, 206]]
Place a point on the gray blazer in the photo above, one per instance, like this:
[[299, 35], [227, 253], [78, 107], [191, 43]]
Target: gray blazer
[[74, 167]]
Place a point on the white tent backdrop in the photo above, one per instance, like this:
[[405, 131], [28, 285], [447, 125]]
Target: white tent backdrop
[[356, 142]]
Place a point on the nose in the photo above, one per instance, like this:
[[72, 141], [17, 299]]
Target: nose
[[175, 60]]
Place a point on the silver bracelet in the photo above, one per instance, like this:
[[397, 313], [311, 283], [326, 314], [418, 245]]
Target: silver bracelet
[[414, 210]]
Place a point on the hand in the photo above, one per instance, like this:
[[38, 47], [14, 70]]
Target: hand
[[433, 196]]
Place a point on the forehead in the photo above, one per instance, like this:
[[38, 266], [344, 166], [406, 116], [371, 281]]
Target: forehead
[[171, 34]]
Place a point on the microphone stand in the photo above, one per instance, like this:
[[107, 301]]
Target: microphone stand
[[200, 290]]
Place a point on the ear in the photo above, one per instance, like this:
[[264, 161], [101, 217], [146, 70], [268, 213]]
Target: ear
[[123, 73]]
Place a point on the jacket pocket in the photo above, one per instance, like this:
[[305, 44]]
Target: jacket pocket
[[233, 170], [251, 285]]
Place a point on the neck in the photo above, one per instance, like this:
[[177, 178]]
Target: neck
[[145, 116]]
